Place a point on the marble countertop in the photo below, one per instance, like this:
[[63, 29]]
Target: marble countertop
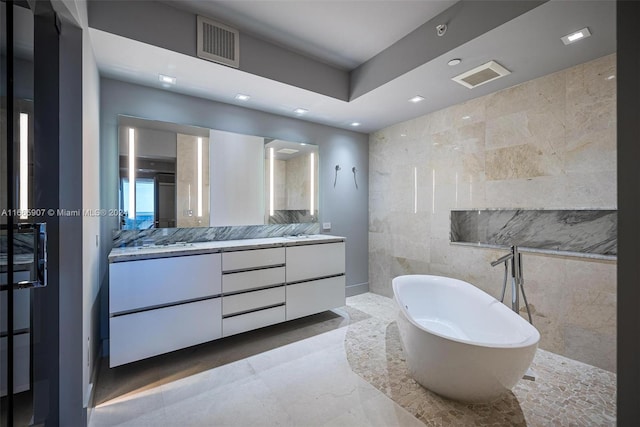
[[182, 249]]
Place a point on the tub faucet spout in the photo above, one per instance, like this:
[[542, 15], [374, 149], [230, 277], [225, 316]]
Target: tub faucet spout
[[517, 279]]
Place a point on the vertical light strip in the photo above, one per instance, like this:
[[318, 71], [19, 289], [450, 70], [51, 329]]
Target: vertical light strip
[[312, 184], [415, 190], [24, 165], [433, 191], [271, 160], [132, 174], [199, 176], [456, 189]]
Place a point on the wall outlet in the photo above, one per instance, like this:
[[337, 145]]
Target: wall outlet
[[326, 226]]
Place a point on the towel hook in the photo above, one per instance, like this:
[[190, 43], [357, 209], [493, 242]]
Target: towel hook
[[354, 170]]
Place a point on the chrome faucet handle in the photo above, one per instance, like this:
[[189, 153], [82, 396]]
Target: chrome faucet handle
[[502, 259]]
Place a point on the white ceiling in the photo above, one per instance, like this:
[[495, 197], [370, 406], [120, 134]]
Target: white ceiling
[[529, 46]]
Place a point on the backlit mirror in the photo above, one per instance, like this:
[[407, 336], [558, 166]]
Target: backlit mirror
[[291, 177], [188, 176], [170, 167]]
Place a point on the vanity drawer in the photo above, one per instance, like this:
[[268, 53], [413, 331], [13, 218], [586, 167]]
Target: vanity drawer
[[149, 333], [152, 282], [254, 258], [252, 300], [315, 296], [315, 261], [254, 320], [241, 281]]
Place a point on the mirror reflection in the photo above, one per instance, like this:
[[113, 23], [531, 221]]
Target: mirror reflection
[[291, 174], [187, 176], [170, 167]]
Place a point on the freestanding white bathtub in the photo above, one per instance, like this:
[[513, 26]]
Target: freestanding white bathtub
[[459, 341]]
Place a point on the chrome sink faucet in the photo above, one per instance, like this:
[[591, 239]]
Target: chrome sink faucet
[[517, 279]]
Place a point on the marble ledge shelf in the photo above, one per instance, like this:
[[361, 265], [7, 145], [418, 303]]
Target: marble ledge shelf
[[540, 251]]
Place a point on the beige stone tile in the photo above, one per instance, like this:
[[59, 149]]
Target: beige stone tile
[[595, 190], [244, 402], [591, 152], [590, 346], [155, 418], [592, 79], [530, 193], [525, 127], [185, 388], [379, 411], [523, 161], [296, 350], [316, 388], [128, 408], [469, 112]]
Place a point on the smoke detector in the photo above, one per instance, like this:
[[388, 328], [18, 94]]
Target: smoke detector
[[485, 73]]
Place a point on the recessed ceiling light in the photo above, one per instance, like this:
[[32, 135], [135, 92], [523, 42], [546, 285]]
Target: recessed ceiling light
[[575, 36], [287, 150], [300, 111], [354, 124], [416, 99], [167, 79], [241, 97], [454, 61]]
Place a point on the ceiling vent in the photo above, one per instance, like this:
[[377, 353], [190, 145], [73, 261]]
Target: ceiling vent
[[218, 42], [485, 73]]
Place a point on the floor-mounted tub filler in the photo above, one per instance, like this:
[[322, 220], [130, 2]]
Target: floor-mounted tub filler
[[459, 341]]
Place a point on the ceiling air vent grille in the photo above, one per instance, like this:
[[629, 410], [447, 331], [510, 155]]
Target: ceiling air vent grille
[[218, 42], [485, 73]]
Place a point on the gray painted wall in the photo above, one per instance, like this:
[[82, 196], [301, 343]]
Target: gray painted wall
[[466, 20], [161, 25], [344, 206]]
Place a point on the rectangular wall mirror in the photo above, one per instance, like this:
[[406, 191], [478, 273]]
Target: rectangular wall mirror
[[188, 176], [291, 178]]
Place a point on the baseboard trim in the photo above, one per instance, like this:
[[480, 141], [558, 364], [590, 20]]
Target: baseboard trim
[[357, 289]]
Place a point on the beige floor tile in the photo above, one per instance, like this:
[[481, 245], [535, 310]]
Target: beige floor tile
[[247, 402], [132, 407], [316, 388], [379, 411]]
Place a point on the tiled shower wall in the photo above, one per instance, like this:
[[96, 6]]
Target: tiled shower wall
[[547, 143]]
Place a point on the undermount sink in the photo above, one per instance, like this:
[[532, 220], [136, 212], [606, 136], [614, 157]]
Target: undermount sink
[[166, 245]]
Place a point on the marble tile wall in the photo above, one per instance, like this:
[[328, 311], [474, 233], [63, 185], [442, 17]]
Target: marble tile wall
[[589, 233], [549, 143]]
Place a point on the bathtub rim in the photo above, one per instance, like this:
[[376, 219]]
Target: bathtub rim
[[533, 339]]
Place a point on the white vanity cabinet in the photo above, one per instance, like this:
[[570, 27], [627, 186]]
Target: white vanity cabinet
[[253, 287], [158, 305], [315, 278], [161, 305]]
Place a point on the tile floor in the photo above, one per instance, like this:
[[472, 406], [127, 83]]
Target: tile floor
[[339, 368]]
